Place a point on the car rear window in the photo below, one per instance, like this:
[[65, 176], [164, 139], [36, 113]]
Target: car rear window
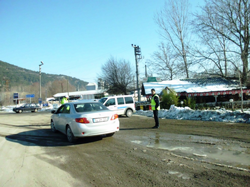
[[128, 100], [89, 107]]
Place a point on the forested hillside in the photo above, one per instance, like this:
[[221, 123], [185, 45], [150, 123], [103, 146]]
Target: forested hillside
[[17, 76], [14, 79]]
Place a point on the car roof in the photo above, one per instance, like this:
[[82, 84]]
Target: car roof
[[118, 96], [83, 101]]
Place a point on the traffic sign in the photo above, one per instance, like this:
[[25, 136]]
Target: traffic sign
[[30, 95], [15, 95]]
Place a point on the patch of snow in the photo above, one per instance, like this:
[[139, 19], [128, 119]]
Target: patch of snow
[[186, 113]]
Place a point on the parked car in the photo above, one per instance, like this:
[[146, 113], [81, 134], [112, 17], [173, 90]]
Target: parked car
[[122, 104], [84, 119], [30, 107]]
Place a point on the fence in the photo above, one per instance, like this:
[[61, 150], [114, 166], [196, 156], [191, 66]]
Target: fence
[[226, 104]]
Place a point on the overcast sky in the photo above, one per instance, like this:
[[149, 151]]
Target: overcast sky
[[76, 37]]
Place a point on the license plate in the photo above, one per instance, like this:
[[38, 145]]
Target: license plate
[[97, 120]]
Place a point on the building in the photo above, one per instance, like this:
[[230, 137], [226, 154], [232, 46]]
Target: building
[[88, 94], [215, 89], [91, 86]]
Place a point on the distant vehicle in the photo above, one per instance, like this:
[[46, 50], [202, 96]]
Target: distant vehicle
[[122, 104], [50, 99], [30, 107], [84, 119]]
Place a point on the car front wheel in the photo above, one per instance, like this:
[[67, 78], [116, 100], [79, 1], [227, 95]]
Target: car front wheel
[[20, 111], [70, 135]]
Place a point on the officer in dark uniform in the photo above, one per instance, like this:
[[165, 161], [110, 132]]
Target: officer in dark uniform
[[155, 105]]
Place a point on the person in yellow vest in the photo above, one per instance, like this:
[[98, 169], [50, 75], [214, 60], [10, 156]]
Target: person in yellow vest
[[155, 105], [64, 100]]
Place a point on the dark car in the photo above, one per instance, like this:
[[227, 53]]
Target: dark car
[[27, 108]]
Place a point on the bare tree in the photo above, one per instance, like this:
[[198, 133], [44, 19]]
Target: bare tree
[[164, 62], [233, 16], [59, 86], [213, 53], [118, 74], [173, 22]]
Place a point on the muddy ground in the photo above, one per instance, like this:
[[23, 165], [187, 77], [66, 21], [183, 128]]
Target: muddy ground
[[179, 153]]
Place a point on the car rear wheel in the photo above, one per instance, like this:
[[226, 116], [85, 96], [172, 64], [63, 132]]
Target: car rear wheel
[[35, 110], [52, 125], [129, 113], [70, 135], [20, 111]]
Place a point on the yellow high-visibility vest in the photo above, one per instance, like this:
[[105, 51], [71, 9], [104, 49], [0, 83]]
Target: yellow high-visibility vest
[[153, 103], [64, 100]]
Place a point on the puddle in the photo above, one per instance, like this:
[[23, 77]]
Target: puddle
[[199, 147]]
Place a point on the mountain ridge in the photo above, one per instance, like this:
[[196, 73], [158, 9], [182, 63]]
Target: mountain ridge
[[15, 76]]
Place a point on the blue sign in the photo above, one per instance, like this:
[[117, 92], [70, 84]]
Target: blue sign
[[30, 95], [15, 95]]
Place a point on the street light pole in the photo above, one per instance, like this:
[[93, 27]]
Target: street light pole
[[40, 96], [137, 51]]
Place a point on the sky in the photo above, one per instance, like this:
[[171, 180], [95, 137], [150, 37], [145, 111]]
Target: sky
[[77, 37]]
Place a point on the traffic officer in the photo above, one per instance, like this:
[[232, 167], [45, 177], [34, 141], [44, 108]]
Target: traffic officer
[[64, 100], [155, 105]]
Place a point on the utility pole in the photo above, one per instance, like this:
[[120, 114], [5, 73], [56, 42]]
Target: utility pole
[[40, 95], [137, 51], [68, 87], [241, 93]]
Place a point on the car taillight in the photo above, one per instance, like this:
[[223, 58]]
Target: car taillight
[[81, 120], [115, 116]]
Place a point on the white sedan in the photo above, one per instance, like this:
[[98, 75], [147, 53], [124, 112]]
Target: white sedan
[[83, 119]]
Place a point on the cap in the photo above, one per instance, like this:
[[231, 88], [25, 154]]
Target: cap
[[152, 89]]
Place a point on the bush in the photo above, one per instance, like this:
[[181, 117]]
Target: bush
[[169, 98], [190, 102]]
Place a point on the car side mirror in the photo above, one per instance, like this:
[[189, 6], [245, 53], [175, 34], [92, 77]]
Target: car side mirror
[[53, 111]]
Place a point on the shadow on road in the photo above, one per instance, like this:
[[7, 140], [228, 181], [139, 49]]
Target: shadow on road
[[127, 129], [46, 138]]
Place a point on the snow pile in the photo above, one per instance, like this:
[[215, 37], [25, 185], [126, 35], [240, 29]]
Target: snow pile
[[186, 113]]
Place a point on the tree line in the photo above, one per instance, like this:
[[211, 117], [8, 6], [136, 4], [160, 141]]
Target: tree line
[[214, 41], [14, 79], [48, 90]]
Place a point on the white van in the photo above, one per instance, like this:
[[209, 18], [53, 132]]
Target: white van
[[123, 104]]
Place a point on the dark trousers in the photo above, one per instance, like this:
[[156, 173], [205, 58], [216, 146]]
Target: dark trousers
[[156, 118]]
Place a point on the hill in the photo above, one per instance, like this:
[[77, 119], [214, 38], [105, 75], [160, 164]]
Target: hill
[[16, 76]]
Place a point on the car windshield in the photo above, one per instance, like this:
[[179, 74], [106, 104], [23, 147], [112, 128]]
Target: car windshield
[[102, 100], [89, 107]]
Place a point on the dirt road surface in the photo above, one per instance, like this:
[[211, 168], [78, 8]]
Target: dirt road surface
[[179, 153]]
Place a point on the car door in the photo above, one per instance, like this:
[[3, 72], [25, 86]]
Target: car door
[[32, 107], [57, 117], [64, 118], [111, 104], [26, 108], [120, 105]]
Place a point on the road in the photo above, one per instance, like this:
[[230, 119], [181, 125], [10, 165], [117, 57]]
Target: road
[[179, 153]]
